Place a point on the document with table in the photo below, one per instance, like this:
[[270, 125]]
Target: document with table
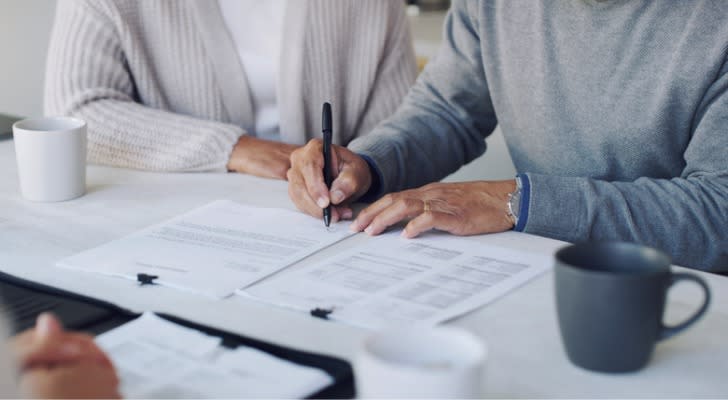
[[158, 359], [225, 247], [392, 280]]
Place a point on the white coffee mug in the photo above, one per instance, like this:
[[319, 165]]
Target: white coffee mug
[[420, 362], [51, 156]]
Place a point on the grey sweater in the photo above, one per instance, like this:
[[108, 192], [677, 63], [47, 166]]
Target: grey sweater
[[615, 113], [161, 85]]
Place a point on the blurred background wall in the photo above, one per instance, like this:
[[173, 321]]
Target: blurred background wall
[[25, 27]]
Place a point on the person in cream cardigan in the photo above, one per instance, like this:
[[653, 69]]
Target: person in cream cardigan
[[220, 85]]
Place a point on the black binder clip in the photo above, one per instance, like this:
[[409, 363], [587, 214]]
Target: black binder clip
[[322, 313], [146, 279]]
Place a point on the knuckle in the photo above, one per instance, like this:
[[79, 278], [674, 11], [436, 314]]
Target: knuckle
[[314, 145], [295, 156], [412, 204], [346, 183]]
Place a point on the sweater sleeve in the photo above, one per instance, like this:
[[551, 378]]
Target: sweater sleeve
[[444, 119], [686, 216], [87, 76]]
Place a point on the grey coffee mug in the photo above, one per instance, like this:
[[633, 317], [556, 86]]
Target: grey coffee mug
[[610, 299]]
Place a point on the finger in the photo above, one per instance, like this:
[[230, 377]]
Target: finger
[[303, 201], [311, 169], [47, 325], [345, 186], [335, 215], [300, 196], [432, 220], [368, 214], [345, 212], [400, 209], [422, 223]]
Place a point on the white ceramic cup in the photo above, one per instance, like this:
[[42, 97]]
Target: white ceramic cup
[[51, 156], [420, 362]]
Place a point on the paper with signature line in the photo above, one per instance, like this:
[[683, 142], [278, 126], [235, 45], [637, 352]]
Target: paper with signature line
[[214, 249]]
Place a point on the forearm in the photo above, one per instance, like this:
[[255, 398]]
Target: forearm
[[686, 217], [444, 119], [130, 135]]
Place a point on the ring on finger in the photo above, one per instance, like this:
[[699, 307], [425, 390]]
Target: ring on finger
[[426, 206]]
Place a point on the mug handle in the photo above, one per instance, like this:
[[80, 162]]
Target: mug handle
[[669, 331]]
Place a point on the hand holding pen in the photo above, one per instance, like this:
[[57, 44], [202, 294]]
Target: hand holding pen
[[349, 176]]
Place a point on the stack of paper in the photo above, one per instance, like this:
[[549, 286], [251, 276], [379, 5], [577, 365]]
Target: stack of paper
[[156, 358], [226, 247]]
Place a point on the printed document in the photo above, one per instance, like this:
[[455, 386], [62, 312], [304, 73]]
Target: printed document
[[159, 359], [389, 280], [214, 249]]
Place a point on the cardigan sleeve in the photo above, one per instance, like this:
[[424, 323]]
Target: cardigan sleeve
[[396, 72], [87, 76]]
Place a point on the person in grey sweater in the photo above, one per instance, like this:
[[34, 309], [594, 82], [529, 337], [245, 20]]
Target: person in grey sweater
[[217, 85], [615, 114]]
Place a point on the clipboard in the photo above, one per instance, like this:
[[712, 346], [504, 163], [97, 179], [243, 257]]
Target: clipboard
[[22, 300]]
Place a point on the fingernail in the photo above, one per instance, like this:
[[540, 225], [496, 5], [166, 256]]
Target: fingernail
[[346, 214], [403, 233], [44, 325], [337, 196], [369, 230], [354, 227], [322, 202]]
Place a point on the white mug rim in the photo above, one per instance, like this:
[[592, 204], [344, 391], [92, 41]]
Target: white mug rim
[[25, 126], [474, 358]]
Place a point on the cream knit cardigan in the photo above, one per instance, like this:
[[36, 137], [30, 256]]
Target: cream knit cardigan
[[161, 87]]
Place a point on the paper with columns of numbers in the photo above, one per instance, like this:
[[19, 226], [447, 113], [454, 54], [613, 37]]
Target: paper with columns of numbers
[[389, 280], [214, 249], [158, 359]]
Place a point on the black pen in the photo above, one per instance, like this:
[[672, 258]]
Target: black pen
[[326, 129]]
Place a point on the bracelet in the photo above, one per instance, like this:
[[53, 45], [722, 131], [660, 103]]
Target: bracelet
[[513, 205]]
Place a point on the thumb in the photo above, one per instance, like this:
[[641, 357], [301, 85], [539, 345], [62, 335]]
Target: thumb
[[346, 186], [47, 325]]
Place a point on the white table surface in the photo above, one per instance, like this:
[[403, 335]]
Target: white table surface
[[526, 358]]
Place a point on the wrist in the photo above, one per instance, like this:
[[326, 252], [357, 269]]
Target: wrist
[[523, 209], [374, 189]]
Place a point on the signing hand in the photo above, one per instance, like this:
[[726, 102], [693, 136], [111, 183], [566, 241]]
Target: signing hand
[[468, 208], [260, 157], [306, 186]]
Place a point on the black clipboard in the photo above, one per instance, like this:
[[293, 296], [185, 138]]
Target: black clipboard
[[23, 300]]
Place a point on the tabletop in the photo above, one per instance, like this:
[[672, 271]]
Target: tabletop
[[526, 357]]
